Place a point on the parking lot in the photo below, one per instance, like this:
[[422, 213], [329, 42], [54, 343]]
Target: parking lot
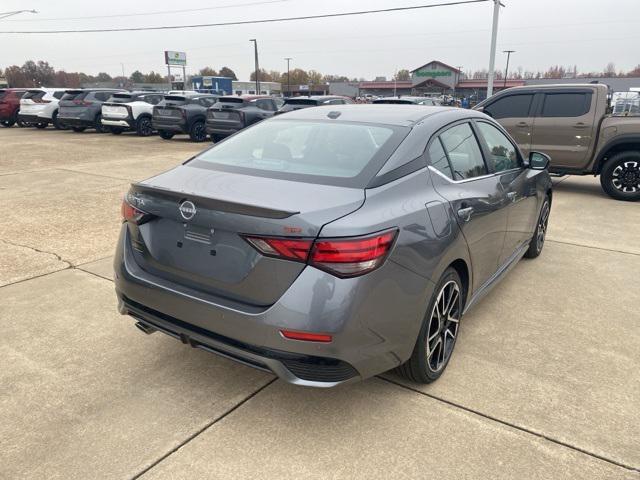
[[544, 382]]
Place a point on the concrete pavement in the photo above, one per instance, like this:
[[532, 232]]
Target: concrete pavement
[[543, 383]]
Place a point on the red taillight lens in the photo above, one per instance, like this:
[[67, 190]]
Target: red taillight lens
[[343, 257], [289, 248], [130, 213], [350, 257], [306, 336]]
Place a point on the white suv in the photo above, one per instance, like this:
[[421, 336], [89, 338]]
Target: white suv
[[39, 107], [130, 111]]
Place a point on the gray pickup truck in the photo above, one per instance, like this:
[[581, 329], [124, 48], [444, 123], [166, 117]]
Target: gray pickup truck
[[572, 124]]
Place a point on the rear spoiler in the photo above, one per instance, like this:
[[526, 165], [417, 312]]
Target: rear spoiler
[[209, 203]]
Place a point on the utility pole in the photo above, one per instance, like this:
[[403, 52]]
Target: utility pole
[[255, 47], [16, 12], [492, 55], [459, 67], [506, 70], [288, 59]]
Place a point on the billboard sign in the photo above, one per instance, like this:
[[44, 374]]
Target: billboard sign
[[175, 58]]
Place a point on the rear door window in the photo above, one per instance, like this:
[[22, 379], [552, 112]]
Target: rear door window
[[438, 158], [464, 152], [510, 106], [265, 104], [566, 104]]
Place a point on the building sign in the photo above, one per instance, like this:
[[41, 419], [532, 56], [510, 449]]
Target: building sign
[[175, 58], [207, 82], [304, 88], [433, 73]]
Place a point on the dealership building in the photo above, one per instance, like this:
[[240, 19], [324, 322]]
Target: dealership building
[[437, 78]]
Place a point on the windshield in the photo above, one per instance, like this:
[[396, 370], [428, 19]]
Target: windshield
[[314, 151]]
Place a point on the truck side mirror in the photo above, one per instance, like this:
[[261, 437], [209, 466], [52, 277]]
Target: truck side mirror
[[539, 160]]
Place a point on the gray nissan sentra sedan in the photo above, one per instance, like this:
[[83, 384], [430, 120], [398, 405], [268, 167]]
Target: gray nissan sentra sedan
[[333, 243]]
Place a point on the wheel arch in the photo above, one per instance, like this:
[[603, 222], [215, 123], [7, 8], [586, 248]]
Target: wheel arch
[[619, 144], [460, 266]]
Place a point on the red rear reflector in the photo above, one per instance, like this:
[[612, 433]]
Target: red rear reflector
[[306, 336]]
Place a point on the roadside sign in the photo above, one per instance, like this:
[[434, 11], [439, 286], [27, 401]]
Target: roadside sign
[[175, 58], [304, 88]]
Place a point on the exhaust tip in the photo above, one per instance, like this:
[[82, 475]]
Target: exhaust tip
[[145, 328]]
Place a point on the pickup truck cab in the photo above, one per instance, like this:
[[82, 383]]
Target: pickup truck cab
[[231, 114], [130, 111], [572, 124], [184, 113]]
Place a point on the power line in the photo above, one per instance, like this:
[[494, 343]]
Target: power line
[[248, 22], [161, 12]]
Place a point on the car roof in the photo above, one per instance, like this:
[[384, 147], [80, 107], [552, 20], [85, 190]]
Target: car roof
[[388, 114]]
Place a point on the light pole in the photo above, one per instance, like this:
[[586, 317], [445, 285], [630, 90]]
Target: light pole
[[255, 47], [492, 55], [288, 59], [459, 67], [506, 70], [16, 12]]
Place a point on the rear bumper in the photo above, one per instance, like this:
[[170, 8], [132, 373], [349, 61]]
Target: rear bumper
[[222, 129], [374, 320], [112, 122], [31, 118], [76, 122], [169, 126]]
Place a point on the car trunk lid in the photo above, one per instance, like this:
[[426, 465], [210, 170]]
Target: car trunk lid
[[200, 244]]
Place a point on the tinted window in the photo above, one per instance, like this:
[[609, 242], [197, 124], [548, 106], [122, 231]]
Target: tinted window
[[503, 155], [58, 95], [566, 104], [324, 149], [510, 106], [265, 104], [464, 152], [102, 96], [438, 158]]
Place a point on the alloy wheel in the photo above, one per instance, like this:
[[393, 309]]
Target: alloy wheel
[[443, 326], [541, 231], [626, 177], [145, 127]]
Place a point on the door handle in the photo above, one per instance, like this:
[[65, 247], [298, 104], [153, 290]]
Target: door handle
[[579, 125], [522, 124], [465, 213], [512, 196]]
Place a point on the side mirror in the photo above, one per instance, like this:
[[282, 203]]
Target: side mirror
[[539, 160]]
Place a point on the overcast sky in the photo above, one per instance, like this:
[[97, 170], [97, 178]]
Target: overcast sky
[[588, 33]]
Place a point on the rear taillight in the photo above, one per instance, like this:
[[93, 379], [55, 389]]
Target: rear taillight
[[84, 103], [39, 100], [131, 213], [343, 257]]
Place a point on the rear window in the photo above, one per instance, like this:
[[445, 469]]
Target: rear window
[[334, 153], [122, 98], [74, 95], [231, 100], [58, 95], [300, 101], [566, 104], [33, 95], [510, 106]]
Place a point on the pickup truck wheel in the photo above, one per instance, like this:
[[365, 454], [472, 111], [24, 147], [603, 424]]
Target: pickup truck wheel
[[78, 129], [144, 127], [165, 135], [620, 176], [7, 123], [197, 132]]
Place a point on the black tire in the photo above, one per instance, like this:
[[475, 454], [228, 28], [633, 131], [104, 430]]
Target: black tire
[[97, 124], [42, 125], [165, 135], [620, 176], [540, 234], [22, 124], [7, 123], [144, 128], [116, 130], [427, 365], [78, 129], [56, 124], [197, 132]]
